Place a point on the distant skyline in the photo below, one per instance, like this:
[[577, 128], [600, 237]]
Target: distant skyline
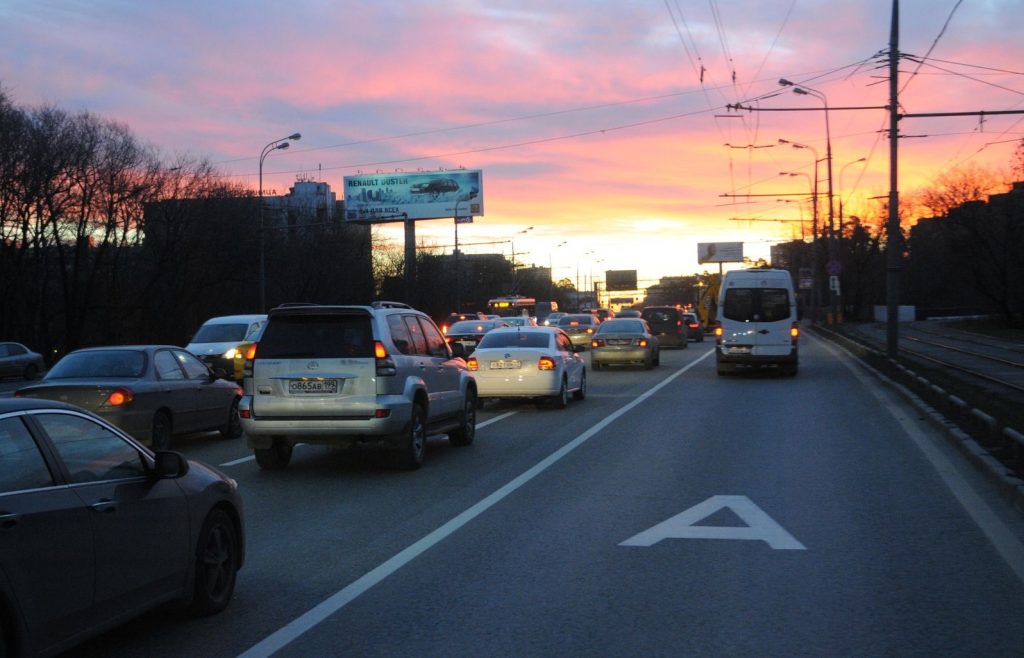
[[604, 126]]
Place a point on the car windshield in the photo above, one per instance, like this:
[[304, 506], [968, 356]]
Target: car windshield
[[621, 327], [514, 339], [221, 333], [103, 363]]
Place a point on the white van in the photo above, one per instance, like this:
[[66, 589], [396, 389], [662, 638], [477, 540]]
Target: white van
[[758, 323], [218, 341]]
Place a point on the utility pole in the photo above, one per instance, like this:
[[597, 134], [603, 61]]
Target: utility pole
[[894, 239]]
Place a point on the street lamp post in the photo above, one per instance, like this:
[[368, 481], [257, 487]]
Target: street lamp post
[[275, 145], [816, 290], [551, 270], [833, 266]]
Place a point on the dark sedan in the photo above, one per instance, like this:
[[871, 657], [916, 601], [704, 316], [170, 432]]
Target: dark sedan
[[469, 333], [149, 391], [95, 529], [16, 360]]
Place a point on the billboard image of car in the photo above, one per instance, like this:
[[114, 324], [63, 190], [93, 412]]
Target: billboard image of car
[[371, 198]]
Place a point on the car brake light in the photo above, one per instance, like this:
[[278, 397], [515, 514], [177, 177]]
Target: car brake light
[[472, 363], [590, 330], [546, 363], [250, 353], [444, 329], [718, 334], [642, 342], [379, 351], [597, 342], [120, 396]]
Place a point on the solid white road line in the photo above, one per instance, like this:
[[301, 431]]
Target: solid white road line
[[286, 634]]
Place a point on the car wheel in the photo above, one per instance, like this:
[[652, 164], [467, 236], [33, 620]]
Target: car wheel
[[463, 436], [561, 401], [161, 432], [216, 564], [276, 457], [581, 392], [412, 449], [233, 426], [31, 371]]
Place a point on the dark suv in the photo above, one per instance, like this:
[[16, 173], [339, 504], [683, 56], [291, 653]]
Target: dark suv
[[668, 324], [342, 375]]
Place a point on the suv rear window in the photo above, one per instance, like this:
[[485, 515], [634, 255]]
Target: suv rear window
[[756, 304], [319, 336], [660, 315]]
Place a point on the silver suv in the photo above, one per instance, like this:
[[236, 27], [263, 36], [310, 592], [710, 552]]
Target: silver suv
[[344, 375]]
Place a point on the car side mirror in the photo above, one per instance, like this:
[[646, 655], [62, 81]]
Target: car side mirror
[[169, 464]]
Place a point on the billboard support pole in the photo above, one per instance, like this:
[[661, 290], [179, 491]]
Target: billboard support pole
[[410, 261]]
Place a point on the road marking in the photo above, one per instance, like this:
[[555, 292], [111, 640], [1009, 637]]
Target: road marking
[[760, 526], [306, 621], [995, 530], [482, 425]]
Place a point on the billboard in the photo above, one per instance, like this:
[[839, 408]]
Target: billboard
[[421, 195], [719, 252], [620, 280]]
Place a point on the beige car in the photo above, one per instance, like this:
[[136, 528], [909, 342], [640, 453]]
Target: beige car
[[624, 342], [580, 327]]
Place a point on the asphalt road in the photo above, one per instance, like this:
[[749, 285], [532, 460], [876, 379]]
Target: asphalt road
[[674, 512]]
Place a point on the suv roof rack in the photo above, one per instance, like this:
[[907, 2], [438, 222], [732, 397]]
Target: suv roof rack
[[385, 304]]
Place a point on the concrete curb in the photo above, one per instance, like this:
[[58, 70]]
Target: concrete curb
[[1007, 483]]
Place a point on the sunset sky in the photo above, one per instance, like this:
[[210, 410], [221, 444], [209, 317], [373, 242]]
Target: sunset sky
[[603, 125]]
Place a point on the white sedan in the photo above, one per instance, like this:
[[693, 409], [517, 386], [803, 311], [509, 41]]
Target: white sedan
[[530, 362]]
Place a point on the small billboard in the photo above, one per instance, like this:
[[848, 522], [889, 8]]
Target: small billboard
[[620, 280], [372, 198], [719, 252]]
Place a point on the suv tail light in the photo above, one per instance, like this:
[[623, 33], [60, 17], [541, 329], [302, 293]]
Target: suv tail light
[[546, 363], [385, 364], [472, 363], [250, 356]]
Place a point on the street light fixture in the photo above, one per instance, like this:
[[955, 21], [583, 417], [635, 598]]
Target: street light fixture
[[276, 145]]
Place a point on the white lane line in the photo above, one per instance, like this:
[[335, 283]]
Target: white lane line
[[995, 530], [243, 460], [303, 623]]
